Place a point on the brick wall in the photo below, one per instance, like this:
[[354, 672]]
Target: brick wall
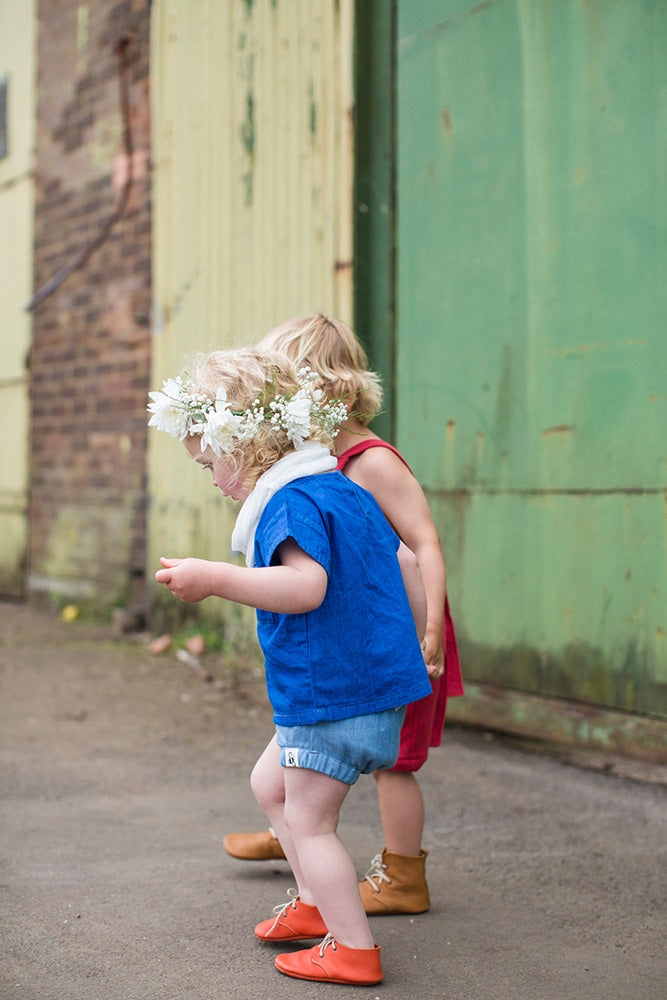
[[91, 340]]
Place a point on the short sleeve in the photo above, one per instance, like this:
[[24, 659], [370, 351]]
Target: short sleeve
[[291, 514]]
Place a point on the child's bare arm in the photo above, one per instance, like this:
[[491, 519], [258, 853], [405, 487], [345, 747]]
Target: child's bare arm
[[297, 585], [412, 581], [405, 506]]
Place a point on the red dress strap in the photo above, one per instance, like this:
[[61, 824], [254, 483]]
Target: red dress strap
[[364, 445]]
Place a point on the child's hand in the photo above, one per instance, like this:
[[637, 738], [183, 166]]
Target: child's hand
[[186, 578], [434, 656]]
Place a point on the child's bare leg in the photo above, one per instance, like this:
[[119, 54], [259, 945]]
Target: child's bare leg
[[313, 802], [401, 810], [396, 879], [268, 786]]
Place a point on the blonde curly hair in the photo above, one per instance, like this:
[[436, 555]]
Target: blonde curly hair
[[249, 374], [331, 349]]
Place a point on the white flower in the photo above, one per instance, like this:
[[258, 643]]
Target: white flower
[[169, 411], [296, 418], [180, 411], [220, 428]]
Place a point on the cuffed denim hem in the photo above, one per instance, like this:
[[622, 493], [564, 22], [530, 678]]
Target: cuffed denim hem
[[346, 748]]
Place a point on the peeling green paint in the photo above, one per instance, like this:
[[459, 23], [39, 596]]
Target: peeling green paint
[[312, 117], [248, 179], [248, 142], [248, 126], [577, 671], [559, 722]]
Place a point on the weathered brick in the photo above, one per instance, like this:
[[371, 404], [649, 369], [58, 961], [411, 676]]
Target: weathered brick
[[90, 361]]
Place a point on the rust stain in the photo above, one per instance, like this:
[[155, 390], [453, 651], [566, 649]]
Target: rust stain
[[478, 8], [561, 352], [558, 429], [446, 119]]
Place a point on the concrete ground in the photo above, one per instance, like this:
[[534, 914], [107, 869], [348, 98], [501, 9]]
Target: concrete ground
[[122, 770]]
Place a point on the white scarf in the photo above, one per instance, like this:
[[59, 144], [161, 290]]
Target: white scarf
[[308, 460]]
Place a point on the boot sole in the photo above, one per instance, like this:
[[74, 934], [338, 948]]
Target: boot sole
[[394, 913], [289, 940], [331, 979], [262, 857]]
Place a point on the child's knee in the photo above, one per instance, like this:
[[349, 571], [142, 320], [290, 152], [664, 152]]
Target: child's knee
[[267, 786]]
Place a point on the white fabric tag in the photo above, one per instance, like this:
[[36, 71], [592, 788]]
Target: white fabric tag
[[291, 756]]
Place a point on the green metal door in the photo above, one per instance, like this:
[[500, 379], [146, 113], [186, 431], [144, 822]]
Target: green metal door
[[531, 350]]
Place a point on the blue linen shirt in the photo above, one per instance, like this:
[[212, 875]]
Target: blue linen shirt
[[358, 652]]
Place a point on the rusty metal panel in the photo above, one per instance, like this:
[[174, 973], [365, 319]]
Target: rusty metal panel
[[532, 358], [17, 69], [252, 155]]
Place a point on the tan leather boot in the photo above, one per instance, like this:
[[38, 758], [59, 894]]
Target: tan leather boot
[[395, 883], [263, 846]]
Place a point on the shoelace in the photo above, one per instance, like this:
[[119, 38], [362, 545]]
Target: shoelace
[[324, 944], [377, 871], [281, 909]]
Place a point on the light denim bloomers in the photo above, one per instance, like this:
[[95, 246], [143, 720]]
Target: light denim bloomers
[[346, 748]]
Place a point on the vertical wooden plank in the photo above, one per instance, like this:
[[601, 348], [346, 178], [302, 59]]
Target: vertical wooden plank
[[252, 200]]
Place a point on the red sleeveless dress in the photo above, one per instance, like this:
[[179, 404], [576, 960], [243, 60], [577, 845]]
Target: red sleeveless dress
[[425, 719]]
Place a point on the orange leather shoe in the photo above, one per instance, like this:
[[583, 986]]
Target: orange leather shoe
[[263, 846], [293, 921], [330, 962]]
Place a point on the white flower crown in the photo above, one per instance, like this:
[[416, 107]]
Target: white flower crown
[[179, 411]]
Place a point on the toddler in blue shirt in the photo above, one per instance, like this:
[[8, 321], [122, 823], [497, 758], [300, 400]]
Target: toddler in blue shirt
[[334, 621]]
